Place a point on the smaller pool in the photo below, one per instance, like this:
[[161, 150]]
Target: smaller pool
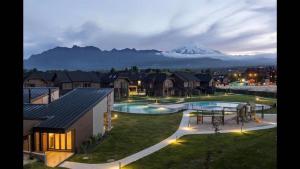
[[141, 108], [217, 105]]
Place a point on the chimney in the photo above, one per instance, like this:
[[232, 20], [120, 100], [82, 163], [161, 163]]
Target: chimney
[[49, 95], [29, 95]]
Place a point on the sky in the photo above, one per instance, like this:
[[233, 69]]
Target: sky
[[235, 27]]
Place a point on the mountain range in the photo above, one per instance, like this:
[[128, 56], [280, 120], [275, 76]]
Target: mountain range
[[93, 58]]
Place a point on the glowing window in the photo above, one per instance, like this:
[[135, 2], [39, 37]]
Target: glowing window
[[51, 140], [69, 140], [63, 141], [37, 141], [57, 141]]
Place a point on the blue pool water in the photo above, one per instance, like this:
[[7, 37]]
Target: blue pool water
[[145, 108], [141, 108], [217, 105]]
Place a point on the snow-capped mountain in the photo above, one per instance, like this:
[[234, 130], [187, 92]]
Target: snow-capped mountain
[[195, 51], [93, 58]]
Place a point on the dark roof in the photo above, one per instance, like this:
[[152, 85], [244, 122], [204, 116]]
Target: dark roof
[[186, 76], [29, 108], [204, 77], [63, 112], [46, 76], [80, 76], [111, 77], [61, 77], [95, 76], [36, 92], [155, 78]]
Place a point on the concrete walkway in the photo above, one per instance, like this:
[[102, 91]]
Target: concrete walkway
[[184, 129]]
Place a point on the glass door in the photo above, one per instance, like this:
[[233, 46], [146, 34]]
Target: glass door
[[60, 141]]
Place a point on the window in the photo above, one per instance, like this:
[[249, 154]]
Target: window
[[37, 141], [76, 84], [57, 141], [69, 140], [63, 141], [86, 85], [51, 140]]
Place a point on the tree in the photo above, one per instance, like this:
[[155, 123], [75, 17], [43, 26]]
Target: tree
[[112, 70], [208, 71], [134, 68]]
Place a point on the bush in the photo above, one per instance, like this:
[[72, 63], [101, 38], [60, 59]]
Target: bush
[[84, 147]]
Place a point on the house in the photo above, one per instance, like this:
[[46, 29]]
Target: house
[[64, 124], [39, 79], [207, 83], [40, 95], [84, 79], [135, 86], [63, 81], [118, 82], [185, 84], [159, 84]]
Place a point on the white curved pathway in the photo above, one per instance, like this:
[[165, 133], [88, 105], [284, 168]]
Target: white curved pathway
[[182, 130]]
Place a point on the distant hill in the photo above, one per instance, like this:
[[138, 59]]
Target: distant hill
[[93, 58]]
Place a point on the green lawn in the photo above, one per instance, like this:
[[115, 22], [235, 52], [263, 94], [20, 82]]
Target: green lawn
[[39, 165], [130, 134], [251, 150]]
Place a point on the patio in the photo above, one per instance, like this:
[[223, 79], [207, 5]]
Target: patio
[[54, 158], [231, 124]]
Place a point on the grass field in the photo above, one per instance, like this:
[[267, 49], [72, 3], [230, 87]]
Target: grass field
[[252, 150], [130, 134], [39, 165]]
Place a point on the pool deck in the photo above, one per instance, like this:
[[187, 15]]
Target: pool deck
[[187, 126]]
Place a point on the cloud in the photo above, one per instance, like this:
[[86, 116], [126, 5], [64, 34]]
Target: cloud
[[230, 26]]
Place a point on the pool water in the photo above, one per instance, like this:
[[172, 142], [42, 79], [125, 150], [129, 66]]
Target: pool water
[[141, 108], [217, 105], [146, 108]]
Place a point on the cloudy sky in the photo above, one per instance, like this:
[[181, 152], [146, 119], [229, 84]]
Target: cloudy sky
[[231, 26]]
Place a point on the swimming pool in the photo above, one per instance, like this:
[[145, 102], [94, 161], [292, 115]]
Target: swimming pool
[[141, 108], [218, 105], [146, 108]]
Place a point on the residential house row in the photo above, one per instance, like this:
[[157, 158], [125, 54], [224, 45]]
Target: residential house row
[[126, 83]]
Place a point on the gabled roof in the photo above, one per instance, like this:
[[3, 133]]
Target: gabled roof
[[62, 77], [204, 77], [155, 78], [186, 76], [63, 112], [80, 76], [132, 76], [95, 77], [45, 76], [36, 92], [111, 77]]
